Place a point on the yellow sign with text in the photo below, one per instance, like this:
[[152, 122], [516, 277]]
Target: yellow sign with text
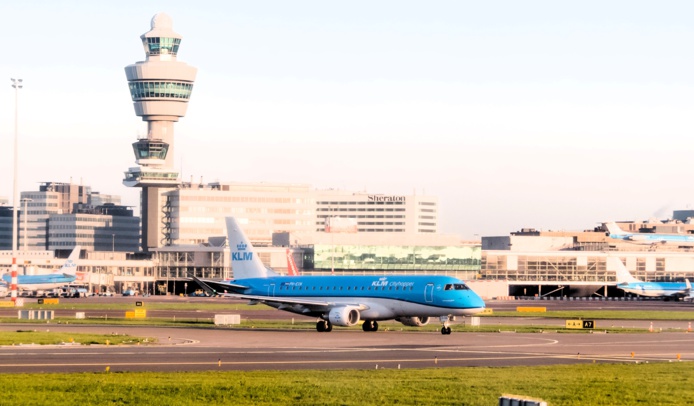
[[580, 324]]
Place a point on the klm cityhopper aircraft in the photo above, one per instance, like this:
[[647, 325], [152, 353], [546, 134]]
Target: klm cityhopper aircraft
[[60, 277], [648, 238], [675, 290], [344, 300]]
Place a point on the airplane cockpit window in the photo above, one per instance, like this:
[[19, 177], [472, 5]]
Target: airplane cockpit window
[[456, 286]]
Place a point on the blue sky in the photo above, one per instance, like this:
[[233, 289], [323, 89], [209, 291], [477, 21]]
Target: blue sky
[[543, 114]]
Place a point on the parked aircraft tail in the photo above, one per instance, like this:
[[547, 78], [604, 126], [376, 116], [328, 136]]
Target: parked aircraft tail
[[70, 266], [689, 295], [292, 269], [623, 275], [245, 262], [614, 229]]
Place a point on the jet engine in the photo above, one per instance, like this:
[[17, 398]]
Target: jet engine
[[344, 316], [414, 321]]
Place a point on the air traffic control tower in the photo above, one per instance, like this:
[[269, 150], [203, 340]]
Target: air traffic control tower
[[160, 88]]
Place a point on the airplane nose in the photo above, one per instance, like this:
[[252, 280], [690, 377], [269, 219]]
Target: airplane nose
[[476, 302]]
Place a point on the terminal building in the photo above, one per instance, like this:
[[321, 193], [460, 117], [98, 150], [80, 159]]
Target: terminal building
[[553, 263]]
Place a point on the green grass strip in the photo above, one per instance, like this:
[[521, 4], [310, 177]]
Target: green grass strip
[[29, 337], [590, 384]]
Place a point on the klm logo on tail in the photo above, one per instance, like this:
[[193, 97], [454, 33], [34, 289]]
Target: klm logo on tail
[[241, 256]]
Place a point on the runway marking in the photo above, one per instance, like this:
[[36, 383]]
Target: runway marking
[[338, 362], [302, 362]]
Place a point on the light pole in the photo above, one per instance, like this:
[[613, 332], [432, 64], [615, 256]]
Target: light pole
[[24, 214], [16, 84]]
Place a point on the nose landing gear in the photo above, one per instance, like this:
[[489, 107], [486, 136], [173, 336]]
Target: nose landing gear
[[446, 329]]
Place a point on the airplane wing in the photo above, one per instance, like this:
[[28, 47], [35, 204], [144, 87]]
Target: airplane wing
[[302, 304], [221, 287], [282, 300], [297, 305]]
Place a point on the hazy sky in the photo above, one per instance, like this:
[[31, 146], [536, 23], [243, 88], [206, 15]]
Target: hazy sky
[[545, 114]]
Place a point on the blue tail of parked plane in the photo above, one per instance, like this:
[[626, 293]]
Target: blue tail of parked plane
[[628, 283]]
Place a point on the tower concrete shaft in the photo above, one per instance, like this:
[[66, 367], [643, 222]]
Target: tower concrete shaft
[[160, 88]]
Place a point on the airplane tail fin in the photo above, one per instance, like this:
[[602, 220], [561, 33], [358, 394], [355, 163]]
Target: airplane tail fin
[[292, 269], [614, 229], [623, 275], [245, 262], [70, 266], [688, 290]]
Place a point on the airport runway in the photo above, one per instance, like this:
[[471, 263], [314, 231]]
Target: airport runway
[[187, 349], [194, 349]]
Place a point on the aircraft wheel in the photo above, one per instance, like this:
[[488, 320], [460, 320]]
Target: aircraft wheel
[[320, 326], [328, 327], [369, 325], [445, 330]]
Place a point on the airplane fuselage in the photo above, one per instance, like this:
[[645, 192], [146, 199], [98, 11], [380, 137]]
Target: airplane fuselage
[[647, 238], [384, 298], [40, 282], [655, 289]]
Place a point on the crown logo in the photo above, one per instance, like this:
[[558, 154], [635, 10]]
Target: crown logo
[[241, 247]]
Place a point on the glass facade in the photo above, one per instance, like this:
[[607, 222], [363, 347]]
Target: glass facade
[[161, 46], [167, 89], [396, 258]]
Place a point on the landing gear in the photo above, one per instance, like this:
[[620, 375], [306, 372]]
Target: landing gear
[[324, 326], [369, 325], [446, 329]]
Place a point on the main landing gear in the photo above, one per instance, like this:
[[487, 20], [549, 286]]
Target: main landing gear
[[324, 326], [369, 325], [446, 329]]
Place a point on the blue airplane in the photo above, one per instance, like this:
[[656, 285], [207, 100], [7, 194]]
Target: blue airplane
[[674, 290], [60, 277], [648, 238], [344, 300]]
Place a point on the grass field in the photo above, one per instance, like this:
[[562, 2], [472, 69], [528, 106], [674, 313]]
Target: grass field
[[591, 384], [27, 337]]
